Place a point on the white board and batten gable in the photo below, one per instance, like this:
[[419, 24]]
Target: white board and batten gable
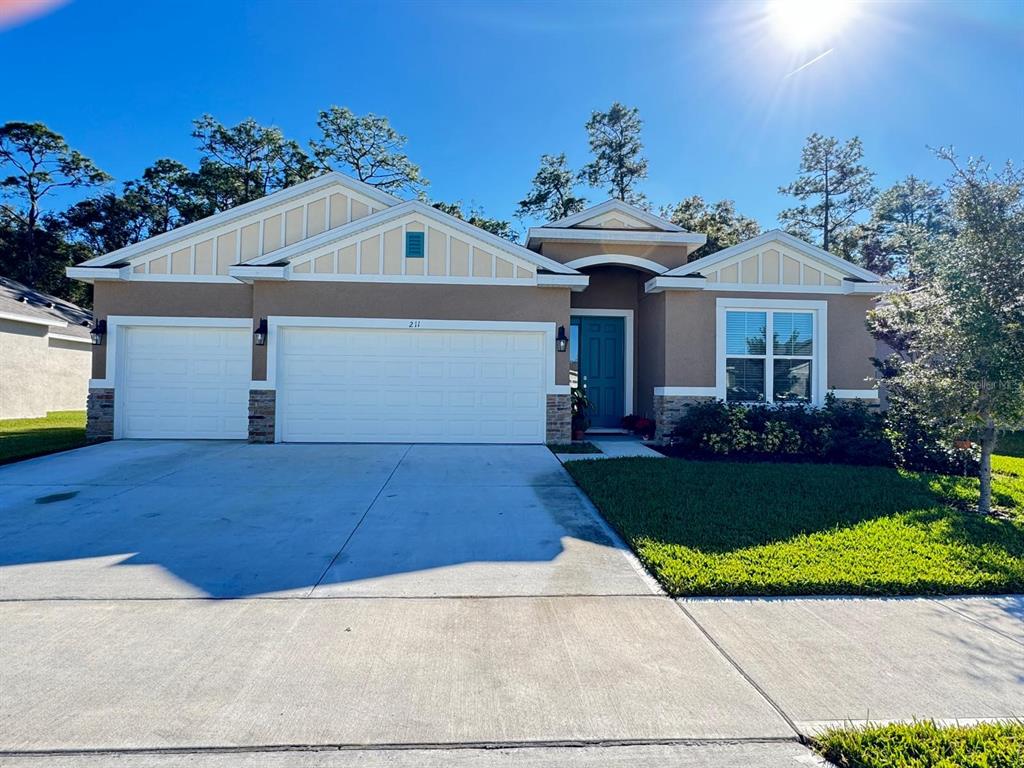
[[773, 262], [614, 221], [329, 228]]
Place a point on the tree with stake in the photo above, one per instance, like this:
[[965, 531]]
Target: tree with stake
[[959, 337]]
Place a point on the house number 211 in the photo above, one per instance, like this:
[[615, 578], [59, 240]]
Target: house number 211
[[414, 323]]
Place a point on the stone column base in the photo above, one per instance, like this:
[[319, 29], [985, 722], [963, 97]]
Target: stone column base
[[559, 419], [262, 413], [668, 409], [99, 414]]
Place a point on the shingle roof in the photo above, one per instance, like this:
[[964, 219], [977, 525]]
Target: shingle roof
[[19, 299]]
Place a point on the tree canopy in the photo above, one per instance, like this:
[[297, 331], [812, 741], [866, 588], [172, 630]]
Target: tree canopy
[[614, 138], [720, 221], [367, 147], [552, 194], [833, 187]]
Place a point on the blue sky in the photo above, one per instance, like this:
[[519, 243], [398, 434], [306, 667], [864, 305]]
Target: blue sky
[[483, 89]]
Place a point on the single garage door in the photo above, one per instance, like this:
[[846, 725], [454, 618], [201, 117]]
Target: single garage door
[[399, 385], [184, 382]]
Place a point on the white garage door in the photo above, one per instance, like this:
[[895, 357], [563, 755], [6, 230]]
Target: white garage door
[[184, 382], [395, 385]]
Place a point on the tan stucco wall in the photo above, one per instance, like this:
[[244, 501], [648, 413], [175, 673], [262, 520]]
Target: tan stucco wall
[[39, 374], [690, 343], [166, 300], [426, 302], [650, 358], [669, 256]]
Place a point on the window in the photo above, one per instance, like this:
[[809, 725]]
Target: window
[[770, 355], [414, 245]]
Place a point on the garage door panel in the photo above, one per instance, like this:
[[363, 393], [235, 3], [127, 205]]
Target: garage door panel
[[184, 383], [401, 385]]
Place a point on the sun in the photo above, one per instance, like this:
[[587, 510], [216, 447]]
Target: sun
[[810, 24]]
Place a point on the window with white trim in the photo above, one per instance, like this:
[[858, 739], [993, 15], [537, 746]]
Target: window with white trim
[[757, 371]]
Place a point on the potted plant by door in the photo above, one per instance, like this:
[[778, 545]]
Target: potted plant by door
[[580, 420]]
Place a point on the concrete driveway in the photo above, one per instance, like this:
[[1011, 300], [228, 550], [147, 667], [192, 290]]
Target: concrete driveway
[[173, 603]]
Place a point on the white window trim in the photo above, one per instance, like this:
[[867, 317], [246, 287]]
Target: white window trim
[[627, 364], [819, 359]]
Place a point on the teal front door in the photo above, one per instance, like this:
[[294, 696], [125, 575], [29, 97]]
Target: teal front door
[[601, 367]]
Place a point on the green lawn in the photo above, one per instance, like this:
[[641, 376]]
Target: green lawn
[[24, 438], [925, 745], [729, 528]]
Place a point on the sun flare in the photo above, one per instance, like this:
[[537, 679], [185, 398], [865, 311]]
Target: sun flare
[[810, 24]]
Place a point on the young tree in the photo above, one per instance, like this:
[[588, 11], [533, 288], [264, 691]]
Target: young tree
[[552, 194], [959, 337], [248, 161], [36, 162], [368, 147], [719, 221], [614, 138], [833, 188], [476, 217]]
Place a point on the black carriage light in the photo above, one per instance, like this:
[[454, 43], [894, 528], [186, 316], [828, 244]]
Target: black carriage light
[[561, 341], [260, 334], [98, 332]]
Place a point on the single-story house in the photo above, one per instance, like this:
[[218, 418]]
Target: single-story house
[[332, 311], [45, 353]]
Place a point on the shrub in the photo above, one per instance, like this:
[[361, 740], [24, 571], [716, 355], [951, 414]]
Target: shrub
[[847, 433]]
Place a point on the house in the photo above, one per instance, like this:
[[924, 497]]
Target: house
[[45, 353], [332, 311]]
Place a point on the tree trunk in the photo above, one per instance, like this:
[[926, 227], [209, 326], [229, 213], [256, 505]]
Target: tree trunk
[[988, 443]]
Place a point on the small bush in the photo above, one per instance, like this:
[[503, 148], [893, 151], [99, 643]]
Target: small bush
[[844, 433]]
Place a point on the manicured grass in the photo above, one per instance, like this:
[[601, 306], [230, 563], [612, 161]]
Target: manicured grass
[[925, 745], [580, 447], [24, 438], [727, 528]]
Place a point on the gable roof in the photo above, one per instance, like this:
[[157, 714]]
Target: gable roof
[[783, 238], [290, 252], [20, 303], [615, 206], [331, 179]]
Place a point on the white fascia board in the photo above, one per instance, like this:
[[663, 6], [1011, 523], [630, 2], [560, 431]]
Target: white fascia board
[[873, 289], [89, 274], [32, 320], [667, 282], [249, 273], [87, 340], [640, 236], [619, 206], [783, 238], [411, 206], [576, 282], [225, 217]]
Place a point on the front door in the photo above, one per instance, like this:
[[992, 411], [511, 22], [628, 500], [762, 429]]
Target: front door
[[601, 367]]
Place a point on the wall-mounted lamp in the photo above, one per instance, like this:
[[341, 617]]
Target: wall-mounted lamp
[[561, 340], [98, 332], [260, 334]]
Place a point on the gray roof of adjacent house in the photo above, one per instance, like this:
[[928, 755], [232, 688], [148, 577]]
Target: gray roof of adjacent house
[[20, 301]]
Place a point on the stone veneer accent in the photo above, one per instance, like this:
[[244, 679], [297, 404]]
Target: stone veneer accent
[[559, 419], [668, 409], [262, 412], [99, 414]]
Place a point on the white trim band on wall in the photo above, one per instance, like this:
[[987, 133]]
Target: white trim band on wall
[[685, 392], [855, 394]]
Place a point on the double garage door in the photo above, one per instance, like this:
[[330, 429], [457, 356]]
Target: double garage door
[[337, 384]]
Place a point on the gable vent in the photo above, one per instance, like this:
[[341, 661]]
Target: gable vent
[[414, 245]]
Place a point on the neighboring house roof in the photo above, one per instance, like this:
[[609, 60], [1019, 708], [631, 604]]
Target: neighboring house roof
[[784, 238], [290, 252], [280, 197], [20, 303]]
